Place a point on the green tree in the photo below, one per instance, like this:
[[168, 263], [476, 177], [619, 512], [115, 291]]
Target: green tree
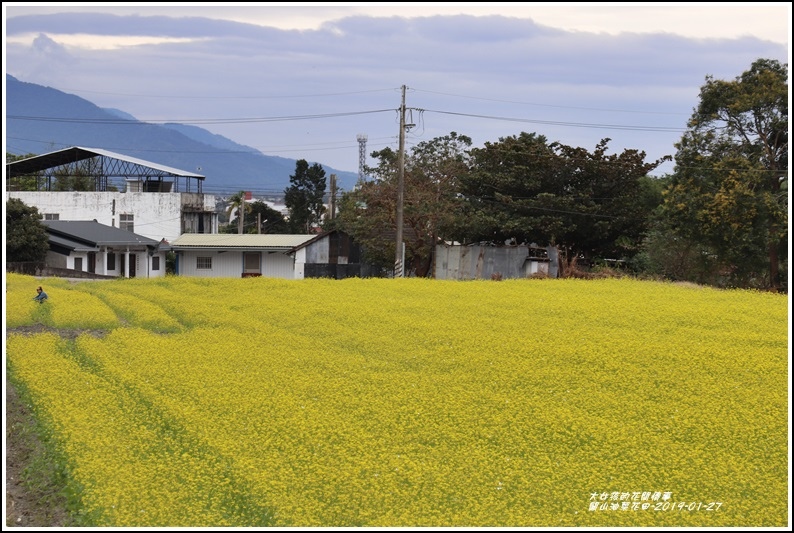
[[590, 204], [304, 196], [238, 205], [272, 221], [729, 195], [26, 237], [430, 202], [74, 179]]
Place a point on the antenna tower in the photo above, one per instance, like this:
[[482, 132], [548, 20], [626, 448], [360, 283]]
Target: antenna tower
[[362, 155]]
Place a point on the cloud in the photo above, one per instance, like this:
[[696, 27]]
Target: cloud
[[484, 77]]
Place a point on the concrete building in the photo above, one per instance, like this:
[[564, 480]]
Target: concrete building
[[235, 256], [152, 200], [331, 254]]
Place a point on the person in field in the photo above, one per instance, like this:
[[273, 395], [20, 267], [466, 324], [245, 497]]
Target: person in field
[[40, 296]]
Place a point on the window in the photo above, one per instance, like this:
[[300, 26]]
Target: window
[[111, 261], [252, 261], [126, 222], [51, 216], [78, 263], [204, 263], [156, 262]]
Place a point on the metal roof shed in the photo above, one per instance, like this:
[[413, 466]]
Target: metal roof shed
[[105, 167]]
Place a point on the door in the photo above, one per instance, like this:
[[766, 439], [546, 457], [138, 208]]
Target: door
[[252, 264]]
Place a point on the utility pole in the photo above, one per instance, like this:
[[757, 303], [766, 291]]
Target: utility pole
[[398, 251], [332, 199]]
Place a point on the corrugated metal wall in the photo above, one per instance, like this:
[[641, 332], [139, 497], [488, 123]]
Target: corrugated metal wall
[[481, 262]]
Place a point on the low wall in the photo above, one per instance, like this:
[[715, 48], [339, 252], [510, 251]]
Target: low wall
[[40, 270]]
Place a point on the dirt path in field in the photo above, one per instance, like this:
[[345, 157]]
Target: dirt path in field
[[32, 500], [27, 505]]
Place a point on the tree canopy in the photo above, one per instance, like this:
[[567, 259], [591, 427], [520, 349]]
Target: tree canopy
[[271, 221], [304, 196], [728, 200], [26, 237], [430, 201], [523, 188]]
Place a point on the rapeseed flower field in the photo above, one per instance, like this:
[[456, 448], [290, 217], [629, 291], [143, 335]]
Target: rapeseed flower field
[[410, 402]]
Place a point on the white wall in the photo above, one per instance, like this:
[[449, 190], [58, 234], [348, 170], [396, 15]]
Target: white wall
[[143, 263], [278, 265], [156, 215], [300, 263], [230, 264]]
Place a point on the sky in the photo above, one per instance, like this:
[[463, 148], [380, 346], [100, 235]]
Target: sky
[[305, 81]]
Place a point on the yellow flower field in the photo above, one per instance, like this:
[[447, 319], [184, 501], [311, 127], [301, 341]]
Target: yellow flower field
[[411, 402]]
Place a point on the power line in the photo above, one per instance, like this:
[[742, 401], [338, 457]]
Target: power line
[[569, 124], [144, 122], [522, 206], [253, 97], [553, 106], [288, 118], [253, 151]]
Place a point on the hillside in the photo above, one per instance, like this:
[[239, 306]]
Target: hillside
[[42, 119]]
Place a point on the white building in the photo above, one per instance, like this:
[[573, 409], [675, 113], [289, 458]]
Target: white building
[[235, 256], [88, 246], [332, 254], [156, 201]]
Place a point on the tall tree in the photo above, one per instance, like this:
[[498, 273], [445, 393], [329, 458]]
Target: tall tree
[[304, 196], [430, 202], [26, 237], [590, 204], [729, 194], [240, 207]]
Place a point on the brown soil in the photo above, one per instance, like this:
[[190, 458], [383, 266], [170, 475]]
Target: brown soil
[[32, 498], [28, 503]]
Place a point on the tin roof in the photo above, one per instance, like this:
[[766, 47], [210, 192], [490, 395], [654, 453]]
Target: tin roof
[[77, 153], [221, 241]]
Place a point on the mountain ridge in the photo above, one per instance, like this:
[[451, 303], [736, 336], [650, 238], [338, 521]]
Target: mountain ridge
[[41, 119]]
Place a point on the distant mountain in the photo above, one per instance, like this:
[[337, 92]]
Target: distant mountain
[[119, 113], [41, 119]]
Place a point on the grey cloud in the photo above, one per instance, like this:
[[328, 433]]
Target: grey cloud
[[156, 26], [489, 66]]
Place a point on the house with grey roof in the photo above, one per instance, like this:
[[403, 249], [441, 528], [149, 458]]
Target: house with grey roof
[[83, 246]]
